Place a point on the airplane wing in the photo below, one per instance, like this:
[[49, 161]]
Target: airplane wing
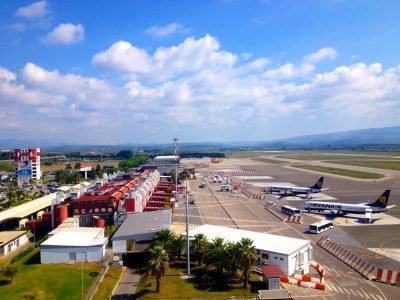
[[325, 189], [390, 206]]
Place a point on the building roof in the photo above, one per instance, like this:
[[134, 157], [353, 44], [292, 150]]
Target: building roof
[[76, 237], [262, 241], [143, 223], [271, 271], [166, 157], [28, 208], [33, 206], [8, 236]]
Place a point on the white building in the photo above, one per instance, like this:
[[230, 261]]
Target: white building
[[12, 240], [138, 229], [75, 244], [165, 164], [291, 255], [27, 163]]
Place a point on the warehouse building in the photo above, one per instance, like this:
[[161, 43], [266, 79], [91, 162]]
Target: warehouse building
[[291, 255], [164, 164], [74, 244], [11, 241], [139, 229]]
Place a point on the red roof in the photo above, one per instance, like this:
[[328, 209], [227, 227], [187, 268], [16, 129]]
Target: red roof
[[271, 271]]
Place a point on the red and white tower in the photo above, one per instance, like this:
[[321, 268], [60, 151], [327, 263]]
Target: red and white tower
[[27, 164]]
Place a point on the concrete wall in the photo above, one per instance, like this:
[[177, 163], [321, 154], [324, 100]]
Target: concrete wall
[[290, 264], [119, 246], [61, 254], [13, 245]]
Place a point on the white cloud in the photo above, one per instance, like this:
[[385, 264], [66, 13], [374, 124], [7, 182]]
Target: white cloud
[[320, 55], [200, 85], [166, 30], [65, 34], [35, 11], [166, 62]]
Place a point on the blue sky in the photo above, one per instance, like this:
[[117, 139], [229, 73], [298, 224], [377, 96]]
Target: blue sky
[[106, 72]]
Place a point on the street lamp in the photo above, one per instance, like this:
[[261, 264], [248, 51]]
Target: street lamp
[[83, 261], [187, 231], [176, 168]]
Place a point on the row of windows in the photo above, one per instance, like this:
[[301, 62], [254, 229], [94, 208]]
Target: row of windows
[[96, 210], [265, 256]]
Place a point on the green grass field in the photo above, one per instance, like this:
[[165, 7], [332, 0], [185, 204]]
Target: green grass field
[[342, 172], [52, 281], [330, 156], [7, 166], [268, 161], [172, 285], [378, 164], [108, 283], [92, 163], [244, 154]]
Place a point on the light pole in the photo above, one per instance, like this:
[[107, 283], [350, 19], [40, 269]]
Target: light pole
[[83, 261], [187, 231], [176, 168]]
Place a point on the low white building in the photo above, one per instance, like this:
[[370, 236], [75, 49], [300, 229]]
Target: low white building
[[291, 255], [11, 241], [74, 244], [139, 229]]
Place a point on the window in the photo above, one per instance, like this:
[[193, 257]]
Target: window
[[17, 242], [9, 247], [275, 257], [281, 258], [264, 256]]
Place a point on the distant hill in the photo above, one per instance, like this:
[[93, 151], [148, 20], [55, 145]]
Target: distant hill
[[371, 136], [381, 137]]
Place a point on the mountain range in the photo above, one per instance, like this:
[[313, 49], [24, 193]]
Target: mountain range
[[371, 136]]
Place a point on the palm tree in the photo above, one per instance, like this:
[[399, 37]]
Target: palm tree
[[199, 246], [216, 255], [177, 245], [248, 257], [164, 237], [232, 258], [158, 264], [19, 193]]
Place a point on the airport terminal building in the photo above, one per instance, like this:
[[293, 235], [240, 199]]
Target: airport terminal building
[[291, 255]]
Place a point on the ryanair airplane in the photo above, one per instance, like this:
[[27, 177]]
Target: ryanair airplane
[[380, 205], [296, 190]]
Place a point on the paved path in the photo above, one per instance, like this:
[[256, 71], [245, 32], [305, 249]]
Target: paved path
[[128, 284]]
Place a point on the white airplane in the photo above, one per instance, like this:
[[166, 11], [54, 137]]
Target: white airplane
[[380, 205], [296, 190]]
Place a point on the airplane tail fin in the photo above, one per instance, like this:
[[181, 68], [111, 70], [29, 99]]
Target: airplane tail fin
[[382, 201], [318, 184]]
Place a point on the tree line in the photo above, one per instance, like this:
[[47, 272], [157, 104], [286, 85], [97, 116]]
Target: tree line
[[225, 259]]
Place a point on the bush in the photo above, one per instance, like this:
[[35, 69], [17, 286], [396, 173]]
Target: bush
[[9, 271], [22, 254]]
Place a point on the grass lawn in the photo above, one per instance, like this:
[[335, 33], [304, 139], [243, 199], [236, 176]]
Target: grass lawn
[[328, 156], [92, 163], [7, 166], [53, 281], [244, 154], [378, 164], [108, 283], [342, 172], [268, 161], [174, 287]]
